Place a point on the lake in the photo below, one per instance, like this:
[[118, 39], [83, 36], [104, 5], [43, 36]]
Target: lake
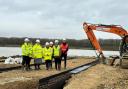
[[10, 51]]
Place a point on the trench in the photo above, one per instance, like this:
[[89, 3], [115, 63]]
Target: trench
[[58, 81]]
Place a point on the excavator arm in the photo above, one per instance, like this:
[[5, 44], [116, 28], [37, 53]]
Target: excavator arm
[[88, 28]]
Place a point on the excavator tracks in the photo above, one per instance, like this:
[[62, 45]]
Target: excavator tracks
[[124, 60]]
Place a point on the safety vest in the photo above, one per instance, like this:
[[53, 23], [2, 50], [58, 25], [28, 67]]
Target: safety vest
[[37, 51], [25, 49], [47, 53], [64, 48], [56, 51], [30, 49]]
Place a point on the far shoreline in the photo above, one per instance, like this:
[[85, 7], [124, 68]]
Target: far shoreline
[[81, 48]]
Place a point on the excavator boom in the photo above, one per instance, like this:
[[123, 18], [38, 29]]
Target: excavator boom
[[88, 28]]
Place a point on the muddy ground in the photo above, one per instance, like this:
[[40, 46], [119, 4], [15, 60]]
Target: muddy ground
[[18, 79], [100, 77]]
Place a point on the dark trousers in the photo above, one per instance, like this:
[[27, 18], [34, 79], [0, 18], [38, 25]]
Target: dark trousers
[[58, 63], [51, 64], [48, 64], [65, 59], [29, 60], [26, 62], [37, 66]]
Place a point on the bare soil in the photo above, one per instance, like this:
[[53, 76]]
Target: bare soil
[[100, 77], [2, 65], [18, 79]]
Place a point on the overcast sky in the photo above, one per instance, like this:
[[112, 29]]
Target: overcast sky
[[59, 18]]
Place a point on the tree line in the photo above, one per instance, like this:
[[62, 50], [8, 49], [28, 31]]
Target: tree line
[[106, 44]]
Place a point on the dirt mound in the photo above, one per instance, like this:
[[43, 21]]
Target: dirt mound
[[29, 84]]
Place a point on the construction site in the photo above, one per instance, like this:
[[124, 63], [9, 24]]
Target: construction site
[[85, 72], [99, 76], [63, 44]]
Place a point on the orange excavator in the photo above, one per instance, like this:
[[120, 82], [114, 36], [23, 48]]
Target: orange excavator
[[89, 28]]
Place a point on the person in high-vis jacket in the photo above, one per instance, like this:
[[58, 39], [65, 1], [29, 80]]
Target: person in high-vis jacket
[[64, 49], [57, 55], [25, 54], [37, 54], [47, 54], [51, 45]]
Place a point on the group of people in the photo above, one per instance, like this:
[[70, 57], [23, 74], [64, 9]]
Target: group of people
[[51, 51]]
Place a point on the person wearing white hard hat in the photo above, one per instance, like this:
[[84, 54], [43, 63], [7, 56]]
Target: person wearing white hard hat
[[25, 54], [26, 40], [64, 50], [56, 41], [51, 46], [51, 43], [47, 53], [57, 55], [47, 44], [37, 54], [64, 40], [37, 41]]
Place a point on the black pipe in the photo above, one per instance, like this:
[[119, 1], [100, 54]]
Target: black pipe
[[57, 81]]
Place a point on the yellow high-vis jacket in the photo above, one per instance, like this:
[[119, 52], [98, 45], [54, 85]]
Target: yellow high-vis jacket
[[56, 52], [25, 49], [47, 53], [37, 51]]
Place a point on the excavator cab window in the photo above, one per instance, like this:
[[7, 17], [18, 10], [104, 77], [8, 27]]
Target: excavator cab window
[[126, 39], [124, 45]]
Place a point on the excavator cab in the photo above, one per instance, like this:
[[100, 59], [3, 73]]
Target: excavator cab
[[124, 51]]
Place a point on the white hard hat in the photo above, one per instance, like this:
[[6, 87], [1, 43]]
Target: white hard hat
[[26, 39], [64, 39], [37, 41], [46, 43], [56, 41], [51, 43]]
